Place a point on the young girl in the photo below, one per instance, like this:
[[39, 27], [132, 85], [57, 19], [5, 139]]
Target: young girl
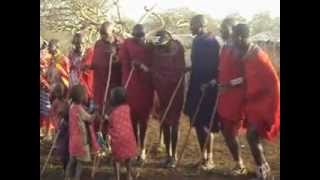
[[82, 140], [123, 142], [57, 111], [59, 118]]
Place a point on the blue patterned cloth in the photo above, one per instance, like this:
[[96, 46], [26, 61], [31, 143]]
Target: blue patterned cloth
[[44, 103]]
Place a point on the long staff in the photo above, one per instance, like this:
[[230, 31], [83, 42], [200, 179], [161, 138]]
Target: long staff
[[129, 77], [193, 120], [96, 160], [51, 150], [166, 111], [212, 119]]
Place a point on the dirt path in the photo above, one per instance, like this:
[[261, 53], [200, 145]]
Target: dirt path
[[152, 169]]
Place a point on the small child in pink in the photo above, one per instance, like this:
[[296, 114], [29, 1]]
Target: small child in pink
[[120, 130], [82, 140]]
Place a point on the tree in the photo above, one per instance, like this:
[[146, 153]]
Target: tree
[[237, 17], [79, 15], [177, 20], [86, 16], [263, 22]]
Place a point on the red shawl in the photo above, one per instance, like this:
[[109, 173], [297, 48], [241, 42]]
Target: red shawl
[[167, 68], [140, 91], [258, 99], [100, 66]]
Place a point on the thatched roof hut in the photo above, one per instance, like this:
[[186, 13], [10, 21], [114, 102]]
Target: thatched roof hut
[[266, 37]]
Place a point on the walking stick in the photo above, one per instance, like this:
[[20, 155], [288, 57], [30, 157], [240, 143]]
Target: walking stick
[[51, 151], [96, 160], [166, 111], [193, 120], [129, 77]]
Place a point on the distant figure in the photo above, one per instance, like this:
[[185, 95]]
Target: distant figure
[[59, 65], [44, 94], [168, 66], [57, 74], [81, 56], [135, 53], [204, 58]]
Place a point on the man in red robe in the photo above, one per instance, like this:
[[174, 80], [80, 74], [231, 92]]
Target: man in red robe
[[168, 65], [107, 45], [230, 68], [134, 53], [249, 96]]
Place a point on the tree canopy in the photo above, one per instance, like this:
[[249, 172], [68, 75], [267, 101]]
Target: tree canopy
[[70, 16]]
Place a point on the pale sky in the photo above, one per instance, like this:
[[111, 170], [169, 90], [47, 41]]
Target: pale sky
[[215, 8]]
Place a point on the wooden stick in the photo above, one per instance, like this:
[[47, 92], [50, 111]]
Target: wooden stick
[[94, 166], [166, 112], [193, 120], [96, 158], [106, 90], [50, 152], [213, 114], [129, 77]]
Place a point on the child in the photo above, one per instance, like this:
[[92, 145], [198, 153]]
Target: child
[[59, 118], [123, 142], [57, 111], [82, 140]]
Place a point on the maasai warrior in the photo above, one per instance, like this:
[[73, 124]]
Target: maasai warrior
[[79, 57], [134, 53], [204, 57], [230, 69], [250, 91], [168, 66], [82, 139], [107, 45], [123, 142], [231, 140], [58, 71]]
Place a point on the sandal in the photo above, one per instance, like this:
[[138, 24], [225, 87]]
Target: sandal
[[139, 161], [263, 171], [238, 171], [207, 165], [164, 162], [172, 163]]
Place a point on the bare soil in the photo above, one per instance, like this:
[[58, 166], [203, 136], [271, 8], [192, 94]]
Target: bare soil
[[153, 170]]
